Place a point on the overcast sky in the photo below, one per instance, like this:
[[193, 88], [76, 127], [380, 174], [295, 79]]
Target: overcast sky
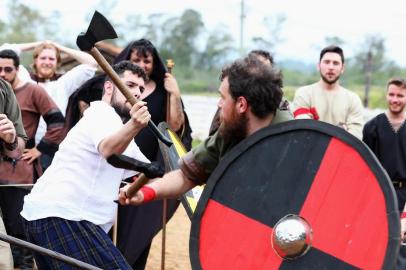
[[307, 23]]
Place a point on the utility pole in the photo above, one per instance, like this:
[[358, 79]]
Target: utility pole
[[368, 78], [242, 17]]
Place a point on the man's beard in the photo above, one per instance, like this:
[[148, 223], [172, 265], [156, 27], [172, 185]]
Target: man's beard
[[333, 81], [121, 109], [123, 112], [235, 130], [10, 81], [45, 72], [398, 111]]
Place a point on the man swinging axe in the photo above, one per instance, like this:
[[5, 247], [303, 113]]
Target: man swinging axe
[[74, 198]]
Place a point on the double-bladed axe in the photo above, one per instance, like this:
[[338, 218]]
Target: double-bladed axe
[[100, 29]]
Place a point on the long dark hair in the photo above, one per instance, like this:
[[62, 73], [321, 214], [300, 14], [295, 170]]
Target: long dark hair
[[145, 47]]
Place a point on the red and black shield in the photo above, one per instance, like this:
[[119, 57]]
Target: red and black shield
[[307, 168]]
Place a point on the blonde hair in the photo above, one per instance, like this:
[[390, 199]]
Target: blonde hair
[[43, 46]]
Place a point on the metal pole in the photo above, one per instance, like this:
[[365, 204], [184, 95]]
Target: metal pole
[[47, 252], [242, 17]]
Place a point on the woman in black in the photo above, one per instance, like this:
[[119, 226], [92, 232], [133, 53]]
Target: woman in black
[[137, 225]]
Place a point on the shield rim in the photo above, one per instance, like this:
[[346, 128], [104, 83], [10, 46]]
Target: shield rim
[[303, 124], [164, 127]]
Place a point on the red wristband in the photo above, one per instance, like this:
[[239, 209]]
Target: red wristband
[[403, 215], [149, 193]]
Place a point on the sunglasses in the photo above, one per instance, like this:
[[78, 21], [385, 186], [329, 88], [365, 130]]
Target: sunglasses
[[7, 69]]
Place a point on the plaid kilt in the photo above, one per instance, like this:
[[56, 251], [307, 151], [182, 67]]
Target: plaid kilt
[[81, 240]]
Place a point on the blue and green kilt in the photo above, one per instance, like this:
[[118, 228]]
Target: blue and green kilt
[[81, 240]]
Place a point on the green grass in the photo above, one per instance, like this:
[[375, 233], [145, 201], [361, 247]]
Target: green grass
[[195, 142]]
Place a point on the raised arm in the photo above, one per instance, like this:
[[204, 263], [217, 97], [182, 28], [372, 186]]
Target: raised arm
[[20, 47], [118, 141], [27, 46], [81, 57]]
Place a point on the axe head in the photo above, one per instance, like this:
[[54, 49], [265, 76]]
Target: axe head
[[99, 29]]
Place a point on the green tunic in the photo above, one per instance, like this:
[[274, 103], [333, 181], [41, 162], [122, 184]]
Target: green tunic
[[9, 107]]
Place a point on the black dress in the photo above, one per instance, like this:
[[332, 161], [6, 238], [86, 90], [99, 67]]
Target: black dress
[[137, 225]]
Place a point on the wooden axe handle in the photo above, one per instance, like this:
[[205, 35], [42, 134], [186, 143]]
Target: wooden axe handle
[[112, 74], [124, 89], [134, 187]]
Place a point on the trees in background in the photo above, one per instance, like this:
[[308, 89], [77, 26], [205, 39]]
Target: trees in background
[[274, 26], [25, 24], [198, 52]]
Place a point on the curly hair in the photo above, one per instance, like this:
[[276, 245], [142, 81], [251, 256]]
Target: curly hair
[[123, 66], [258, 83], [262, 53]]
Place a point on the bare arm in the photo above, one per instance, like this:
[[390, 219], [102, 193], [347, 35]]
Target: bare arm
[[20, 47], [171, 185], [81, 57], [28, 46], [177, 118], [118, 142]]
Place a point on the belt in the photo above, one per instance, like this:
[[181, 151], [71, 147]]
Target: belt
[[9, 159], [398, 184]]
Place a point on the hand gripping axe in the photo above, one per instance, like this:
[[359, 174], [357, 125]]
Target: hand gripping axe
[[147, 170], [100, 29]]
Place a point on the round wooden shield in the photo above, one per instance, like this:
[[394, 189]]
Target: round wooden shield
[[306, 168]]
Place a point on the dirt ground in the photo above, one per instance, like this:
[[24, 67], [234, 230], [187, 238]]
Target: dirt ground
[[177, 244]]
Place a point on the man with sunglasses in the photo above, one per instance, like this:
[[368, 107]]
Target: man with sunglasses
[[34, 103]]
